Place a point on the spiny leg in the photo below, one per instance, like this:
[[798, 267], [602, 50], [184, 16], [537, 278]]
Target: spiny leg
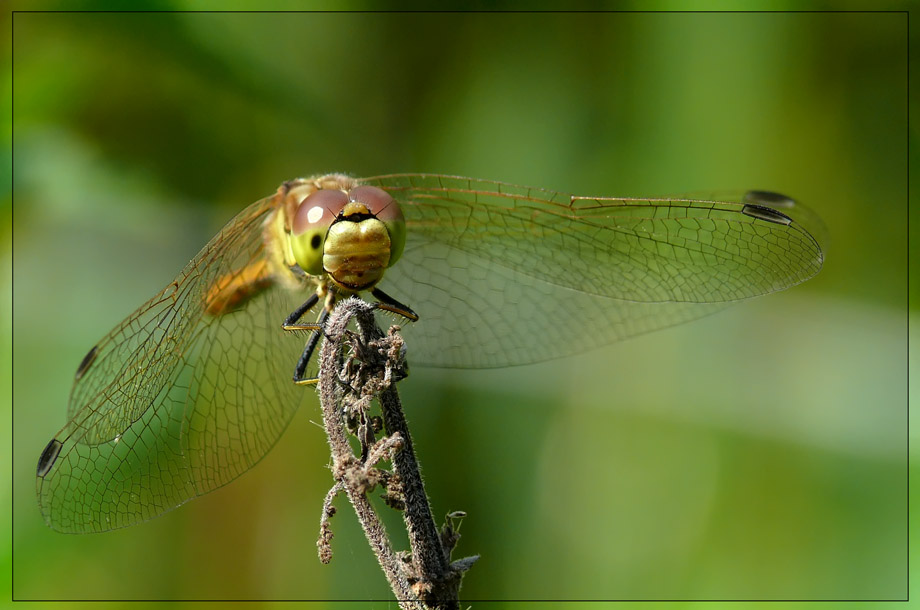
[[390, 304], [301, 368], [291, 324]]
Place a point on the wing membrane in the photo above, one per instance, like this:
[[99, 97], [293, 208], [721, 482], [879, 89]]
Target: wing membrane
[[177, 402], [503, 274], [195, 387]]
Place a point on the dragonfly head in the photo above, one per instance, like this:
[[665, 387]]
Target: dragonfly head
[[353, 236]]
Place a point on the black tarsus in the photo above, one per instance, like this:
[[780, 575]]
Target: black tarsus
[[291, 323], [388, 303], [297, 314], [301, 368]]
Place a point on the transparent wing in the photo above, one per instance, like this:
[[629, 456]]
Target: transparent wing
[[504, 275], [194, 388], [175, 401]]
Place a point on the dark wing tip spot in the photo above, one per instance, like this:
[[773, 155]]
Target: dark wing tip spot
[[49, 457], [765, 213], [86, 362], [769, 199]]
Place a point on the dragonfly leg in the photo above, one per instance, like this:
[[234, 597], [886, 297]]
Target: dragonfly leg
[[290, 322], [390, 304], [301, 368]]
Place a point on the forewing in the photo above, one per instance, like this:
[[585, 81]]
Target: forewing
[[175, 401], [503, 275]]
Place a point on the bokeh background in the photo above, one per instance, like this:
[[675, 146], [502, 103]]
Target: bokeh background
[[757, 454]]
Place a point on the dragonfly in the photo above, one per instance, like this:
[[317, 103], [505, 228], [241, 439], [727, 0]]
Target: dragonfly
[[196, 386]]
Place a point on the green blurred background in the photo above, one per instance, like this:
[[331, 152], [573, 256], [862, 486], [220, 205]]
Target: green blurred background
[[757, 454]]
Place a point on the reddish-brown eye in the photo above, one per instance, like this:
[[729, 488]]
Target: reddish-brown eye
[[387, 211], [376, 200], [319, 208], [311, 222]]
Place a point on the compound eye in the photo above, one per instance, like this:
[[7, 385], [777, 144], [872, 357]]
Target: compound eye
[[317, 208], [377, 200], [311, 222], [386, 210]]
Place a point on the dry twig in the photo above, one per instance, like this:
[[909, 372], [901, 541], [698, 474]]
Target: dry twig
[[355, 369]]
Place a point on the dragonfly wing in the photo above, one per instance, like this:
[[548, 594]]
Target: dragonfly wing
[[177, 400], [475, 313], [503, 275]]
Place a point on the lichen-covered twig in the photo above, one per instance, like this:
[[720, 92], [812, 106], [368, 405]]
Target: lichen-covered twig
[[355, 369]]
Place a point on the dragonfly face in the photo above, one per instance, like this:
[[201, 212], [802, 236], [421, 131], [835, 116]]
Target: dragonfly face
[[194, 387], [332, 233], [350, 233]]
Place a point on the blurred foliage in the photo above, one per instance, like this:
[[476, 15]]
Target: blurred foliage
[[759, 453]]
